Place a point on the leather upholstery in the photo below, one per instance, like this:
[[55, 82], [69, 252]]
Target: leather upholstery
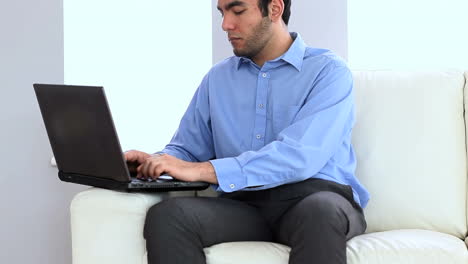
[[410, 142]]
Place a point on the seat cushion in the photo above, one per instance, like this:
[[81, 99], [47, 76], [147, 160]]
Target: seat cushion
[[407, 246], [409, 140], [399, 246], [247, 252], [107, 226]]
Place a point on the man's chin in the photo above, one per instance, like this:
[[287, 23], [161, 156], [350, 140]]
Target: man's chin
[[240, 53]]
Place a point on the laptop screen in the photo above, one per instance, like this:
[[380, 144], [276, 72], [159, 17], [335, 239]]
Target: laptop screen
[[81, 131]]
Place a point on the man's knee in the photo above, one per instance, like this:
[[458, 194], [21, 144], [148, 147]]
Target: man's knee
[[166, 214], [322, 209]]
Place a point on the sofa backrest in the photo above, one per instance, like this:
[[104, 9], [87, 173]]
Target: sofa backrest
[[410, 145]]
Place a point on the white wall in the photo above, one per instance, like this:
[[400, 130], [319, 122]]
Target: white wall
[[149, 71], [322, 24], [410, 35], [34, 222]]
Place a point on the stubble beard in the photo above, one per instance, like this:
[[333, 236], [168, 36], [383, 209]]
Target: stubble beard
[[255, 43]]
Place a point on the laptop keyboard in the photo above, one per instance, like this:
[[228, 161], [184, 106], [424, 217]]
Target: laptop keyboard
[[149, 183]]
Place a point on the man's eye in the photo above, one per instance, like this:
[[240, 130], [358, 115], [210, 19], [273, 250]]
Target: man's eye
[[238, 12]]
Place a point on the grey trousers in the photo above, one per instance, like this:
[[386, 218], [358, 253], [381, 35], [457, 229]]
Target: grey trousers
[[314, 217]]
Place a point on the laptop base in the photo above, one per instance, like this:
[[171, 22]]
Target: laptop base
[[138, 186]]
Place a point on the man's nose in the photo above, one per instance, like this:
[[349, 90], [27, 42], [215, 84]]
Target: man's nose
[[227, 24]]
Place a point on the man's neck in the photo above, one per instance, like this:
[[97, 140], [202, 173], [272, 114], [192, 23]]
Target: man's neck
[[277, 46]]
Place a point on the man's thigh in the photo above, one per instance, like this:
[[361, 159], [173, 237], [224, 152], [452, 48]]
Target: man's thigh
[[316, 213], [317, 227], [211, 220]]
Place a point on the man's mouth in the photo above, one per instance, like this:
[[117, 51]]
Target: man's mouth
[[231, 39]]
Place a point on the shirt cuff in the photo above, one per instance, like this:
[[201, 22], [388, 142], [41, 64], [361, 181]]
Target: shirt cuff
[[229, 174]]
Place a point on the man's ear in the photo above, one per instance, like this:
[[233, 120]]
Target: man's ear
[[276, 10]]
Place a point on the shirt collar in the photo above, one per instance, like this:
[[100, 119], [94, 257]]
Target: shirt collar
[[294, 55]]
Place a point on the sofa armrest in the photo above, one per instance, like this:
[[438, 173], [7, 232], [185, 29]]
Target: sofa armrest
[[107, 226]]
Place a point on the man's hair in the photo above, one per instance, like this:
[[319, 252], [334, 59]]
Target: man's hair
[[263, 4]]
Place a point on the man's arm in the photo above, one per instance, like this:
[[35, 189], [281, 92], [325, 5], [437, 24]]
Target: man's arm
[[193, 139], [191, 143], [300, 151]]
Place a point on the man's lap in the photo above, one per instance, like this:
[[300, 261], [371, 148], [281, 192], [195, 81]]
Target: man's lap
[[215, 220], [258, 215]]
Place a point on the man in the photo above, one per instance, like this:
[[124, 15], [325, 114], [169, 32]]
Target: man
[[270, 128]]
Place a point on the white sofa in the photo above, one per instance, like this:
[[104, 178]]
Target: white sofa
[[410, 142]]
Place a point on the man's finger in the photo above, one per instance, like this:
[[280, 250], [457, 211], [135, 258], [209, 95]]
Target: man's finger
[[142, 169], [146, 168], [152, 165], [131, 156], [127, 156], [158, 171], [141, 157], [138, 172], [135, 155]]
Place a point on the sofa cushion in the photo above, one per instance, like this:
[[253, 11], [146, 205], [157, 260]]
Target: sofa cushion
[[409, 140], [407, 246], [107, 226], [399, 246], [247, 252]]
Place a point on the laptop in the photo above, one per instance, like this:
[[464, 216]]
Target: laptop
[[85, 143]]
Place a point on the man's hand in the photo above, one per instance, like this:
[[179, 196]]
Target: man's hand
[[158, 164], [135, 158]]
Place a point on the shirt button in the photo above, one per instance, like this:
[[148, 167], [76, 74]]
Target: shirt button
[[232, 186], [264, 75], [259, 136], [261, 106]]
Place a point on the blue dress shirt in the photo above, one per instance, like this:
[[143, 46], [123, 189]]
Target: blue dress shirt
[[285, 122]]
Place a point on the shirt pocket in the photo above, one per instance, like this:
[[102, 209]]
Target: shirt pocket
[[283, 116]]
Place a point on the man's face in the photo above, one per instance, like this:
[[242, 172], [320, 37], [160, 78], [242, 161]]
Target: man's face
[[247, 30]]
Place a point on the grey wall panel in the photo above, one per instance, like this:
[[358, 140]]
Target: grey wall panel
[[34, 222]]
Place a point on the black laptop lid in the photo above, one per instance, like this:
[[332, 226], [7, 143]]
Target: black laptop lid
[[81, 131]]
